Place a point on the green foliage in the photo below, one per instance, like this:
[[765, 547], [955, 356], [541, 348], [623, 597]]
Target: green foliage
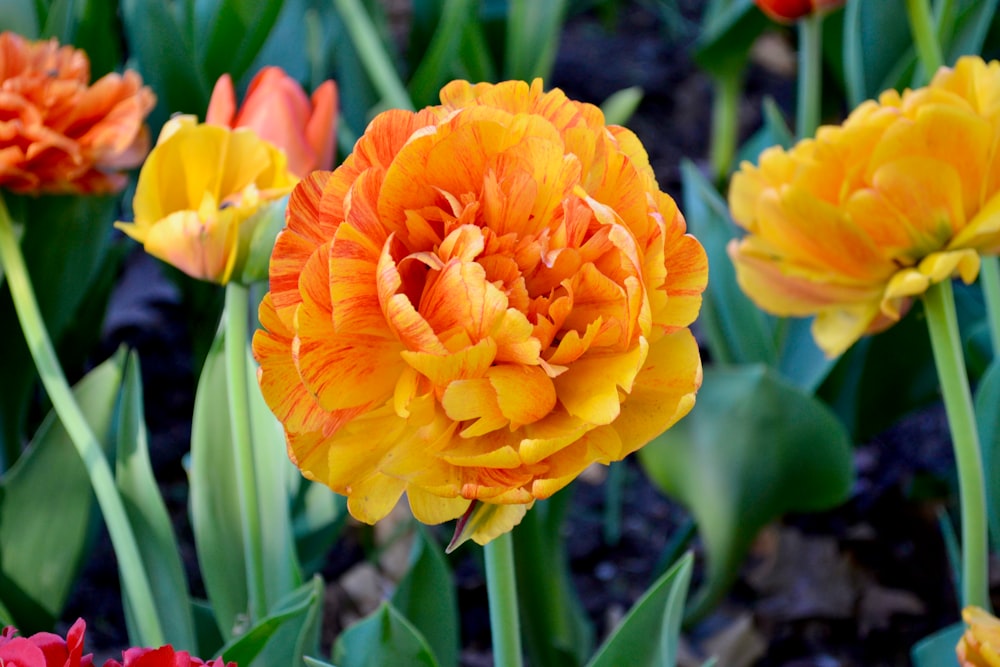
[[47, 509], [739, 461], [729, 28], [383, 638], [939, 648], [648, 635], [988, 423]]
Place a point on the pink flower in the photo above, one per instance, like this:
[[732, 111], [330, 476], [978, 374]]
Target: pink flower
[[277, 109]]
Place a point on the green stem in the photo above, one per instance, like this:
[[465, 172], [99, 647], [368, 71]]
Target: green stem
[[725, 109], [989, 279], [810, 83], [373, 54], [237, 312], [925, 36], [942, 321], [137, 591], [501, 587]]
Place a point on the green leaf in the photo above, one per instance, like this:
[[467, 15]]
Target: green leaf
[[161, 43], [968, 32], [230, 33], [318, 516], [753, 448], [383, 638], [555, 627], [878, 48], [532, 38], [620, 106], [939, 648], [283, 636], [729, 29], [20, 17], [313, 662], [215, 507], [426, 596], [800, 360], [47, 510], [737, 331], [435, 65], [148, 516], [649, 635], [988, 424], [87, 24]]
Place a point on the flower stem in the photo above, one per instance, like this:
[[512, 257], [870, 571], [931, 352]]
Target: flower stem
[[501, 587], [925, 36], [237, 312], [989, 279], [810, 83], [725, 108], [942, 321], [137, 591]]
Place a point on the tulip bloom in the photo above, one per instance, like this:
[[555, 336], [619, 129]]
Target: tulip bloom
[[853, 225], [165, 656], [198, 192], [44, 649], [485, 298], [58, 134], [980, 645], [277, 109], [788, 11]]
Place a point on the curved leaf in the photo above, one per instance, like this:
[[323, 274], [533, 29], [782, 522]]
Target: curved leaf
[[753, 448], [383, 638]]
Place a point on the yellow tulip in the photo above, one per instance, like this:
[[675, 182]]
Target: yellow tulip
[[198, 192]]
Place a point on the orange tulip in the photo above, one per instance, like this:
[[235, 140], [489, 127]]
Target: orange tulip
[[57, 133], [277, 109], [980, 645], [853, 225], [787, 11], [485, 298]]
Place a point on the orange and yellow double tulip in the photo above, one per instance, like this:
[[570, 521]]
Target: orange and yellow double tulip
[[485, 298]]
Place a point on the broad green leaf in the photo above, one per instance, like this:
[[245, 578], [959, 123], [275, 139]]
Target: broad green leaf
[[620, 106], [285, 634], [729, 29], [318, 516], [21, 17], [753, 448], [649, 634], [555, 628], [47, 510], [313, 662], [87, 24], [966, 34], [938, 649], [215, 506], [161, 44], [66, 245], [988, 424], [532, 38], [737, 331], [383, 638], [774, 132], [426, 597], [799, 358], [878, 48], [435, 66], [148, 516], [230, 33]]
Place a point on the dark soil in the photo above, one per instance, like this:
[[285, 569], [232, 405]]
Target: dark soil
[[855, 586]]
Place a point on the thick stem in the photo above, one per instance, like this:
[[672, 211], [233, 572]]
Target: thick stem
[[725, 108], [501, 587], [810, 83], [237, 311], [134, 580], [942, 321], [925, 35]]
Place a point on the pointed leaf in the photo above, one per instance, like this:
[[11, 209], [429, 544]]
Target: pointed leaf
[[148, 515], [753, 448], [426, 596], [620, 106], [383, 638], [555, 628], [47, 509], [649, 635], [298, 612]]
